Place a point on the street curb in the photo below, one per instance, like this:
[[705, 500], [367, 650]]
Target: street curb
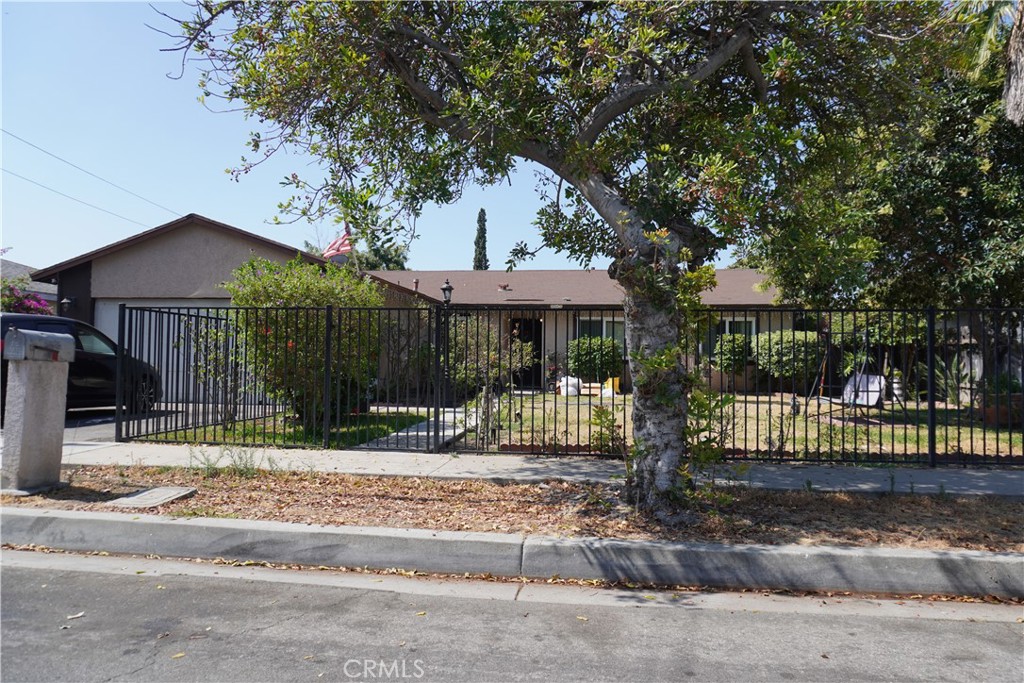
[[859, 570]]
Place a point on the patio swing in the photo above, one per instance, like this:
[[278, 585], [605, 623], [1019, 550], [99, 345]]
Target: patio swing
[[864, 388]]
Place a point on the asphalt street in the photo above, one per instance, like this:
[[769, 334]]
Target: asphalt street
[[81, 618]]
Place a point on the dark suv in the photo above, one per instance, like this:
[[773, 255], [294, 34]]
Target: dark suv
[[92, 376]]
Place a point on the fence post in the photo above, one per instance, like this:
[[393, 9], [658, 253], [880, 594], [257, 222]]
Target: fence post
[[932, 417], [328, 329], [437, 379], [119, 374]]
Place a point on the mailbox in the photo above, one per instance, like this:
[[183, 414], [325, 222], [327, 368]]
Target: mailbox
[[33, 345]]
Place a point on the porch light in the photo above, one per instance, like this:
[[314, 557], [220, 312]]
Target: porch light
[[446, 292]]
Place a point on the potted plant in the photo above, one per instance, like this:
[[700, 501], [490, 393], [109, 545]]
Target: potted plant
[[1002, 401]]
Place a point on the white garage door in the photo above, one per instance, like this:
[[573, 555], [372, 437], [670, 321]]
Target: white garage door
[[105, 310], [167, 360]]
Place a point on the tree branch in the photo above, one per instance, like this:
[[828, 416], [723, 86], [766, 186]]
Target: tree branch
[[620, 101], [432, 105], [754, 69]]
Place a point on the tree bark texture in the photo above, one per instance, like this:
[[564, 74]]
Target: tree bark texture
[[1013, 89], [659, 398]]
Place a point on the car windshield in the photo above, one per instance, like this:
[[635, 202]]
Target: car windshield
[[94, 343]]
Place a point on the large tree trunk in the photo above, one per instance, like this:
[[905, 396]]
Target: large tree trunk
[[659, 397], [649, 278], [1013, 89]]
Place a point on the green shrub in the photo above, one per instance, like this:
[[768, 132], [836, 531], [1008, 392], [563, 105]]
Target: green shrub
[[788, 355], [479, 356], [1005, 383], [732, 353], [595, 359], [285, 348]]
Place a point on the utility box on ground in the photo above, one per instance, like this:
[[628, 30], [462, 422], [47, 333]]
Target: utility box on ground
[[37, 385]]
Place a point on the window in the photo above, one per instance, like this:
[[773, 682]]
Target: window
[[93, 343], [747, 327], [601, 327], [727, 325]]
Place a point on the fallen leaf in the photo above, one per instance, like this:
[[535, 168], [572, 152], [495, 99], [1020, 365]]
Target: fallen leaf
[[582, 618], [421, 614], [649, 597], [178, 656], [160, 588], [76, 616]]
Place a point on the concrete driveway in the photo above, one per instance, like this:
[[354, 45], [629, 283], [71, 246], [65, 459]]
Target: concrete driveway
[[93, 424]]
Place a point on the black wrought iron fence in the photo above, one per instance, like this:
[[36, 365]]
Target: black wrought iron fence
[[313, 377], [853, 386], [891, 386]]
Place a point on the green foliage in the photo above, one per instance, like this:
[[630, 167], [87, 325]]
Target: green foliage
[[374, 252], [480, 261], [705, 432], [595, 359], [789, 355], [609, 437], [480, 356], [953, 377], [1005, 383], [732, 353], [926, 213], [414, 101], [286, 349]]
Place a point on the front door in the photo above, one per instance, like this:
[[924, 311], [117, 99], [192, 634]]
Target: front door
[[529, 330]]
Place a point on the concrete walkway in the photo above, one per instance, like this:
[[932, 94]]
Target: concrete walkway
[[515, 468]]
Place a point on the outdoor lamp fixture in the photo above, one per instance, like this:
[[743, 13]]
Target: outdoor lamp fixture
[[66, 302], [446, 292]]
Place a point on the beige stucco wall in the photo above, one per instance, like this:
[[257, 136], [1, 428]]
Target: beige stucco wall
[[189, 262]]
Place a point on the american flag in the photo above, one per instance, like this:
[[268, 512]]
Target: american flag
[[339, 246]]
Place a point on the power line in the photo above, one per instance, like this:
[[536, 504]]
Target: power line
[[176, 213], [74, 199]]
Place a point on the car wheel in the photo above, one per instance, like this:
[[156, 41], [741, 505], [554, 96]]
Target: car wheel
[[142, 398]]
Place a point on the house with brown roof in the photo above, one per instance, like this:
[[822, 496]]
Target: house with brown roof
[[181, 263], [550, 308]]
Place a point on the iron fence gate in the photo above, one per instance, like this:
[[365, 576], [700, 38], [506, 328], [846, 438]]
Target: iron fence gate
[[860, 386]]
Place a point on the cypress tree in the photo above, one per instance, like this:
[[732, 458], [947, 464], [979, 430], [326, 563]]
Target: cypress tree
[[480, 254]]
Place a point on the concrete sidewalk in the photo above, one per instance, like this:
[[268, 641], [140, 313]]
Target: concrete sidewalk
[[514, 468]]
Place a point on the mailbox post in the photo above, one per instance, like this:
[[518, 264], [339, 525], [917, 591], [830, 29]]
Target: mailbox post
[[37, 385]]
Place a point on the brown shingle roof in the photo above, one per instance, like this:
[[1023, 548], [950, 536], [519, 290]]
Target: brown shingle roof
[[736, 287]]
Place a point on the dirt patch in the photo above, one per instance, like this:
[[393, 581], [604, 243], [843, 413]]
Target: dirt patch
[[555, 508]]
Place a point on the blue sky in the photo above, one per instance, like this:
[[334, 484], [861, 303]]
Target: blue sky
[[88, 83]]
